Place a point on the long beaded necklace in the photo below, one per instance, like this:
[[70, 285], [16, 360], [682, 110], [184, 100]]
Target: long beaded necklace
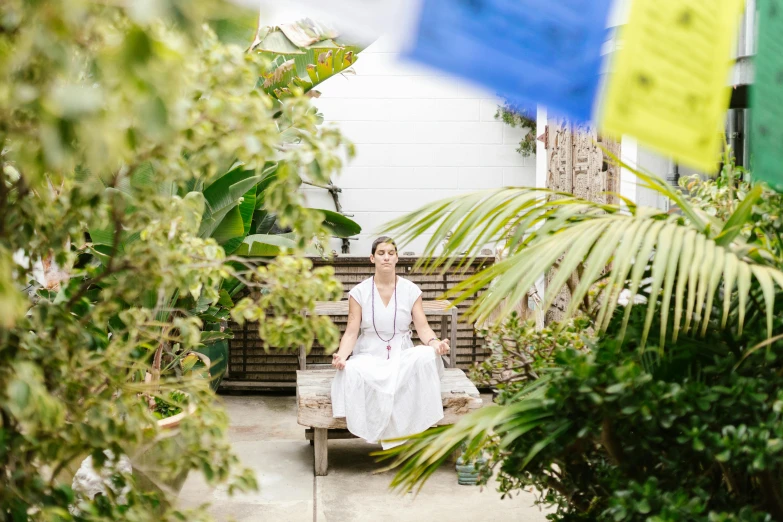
[[394, 330]]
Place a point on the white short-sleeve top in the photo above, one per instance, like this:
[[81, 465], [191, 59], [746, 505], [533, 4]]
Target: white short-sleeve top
[[374, 340]]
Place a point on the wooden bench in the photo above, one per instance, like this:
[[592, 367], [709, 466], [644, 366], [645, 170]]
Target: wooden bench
[[314, 386], [314, 407]]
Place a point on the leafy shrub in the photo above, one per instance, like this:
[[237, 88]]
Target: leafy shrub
[[637, 421], [115, 116], [169, 406]]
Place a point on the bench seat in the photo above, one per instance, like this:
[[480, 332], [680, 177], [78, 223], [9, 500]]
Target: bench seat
[[314, 406]]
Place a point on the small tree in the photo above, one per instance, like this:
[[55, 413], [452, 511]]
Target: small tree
[[112, 119]]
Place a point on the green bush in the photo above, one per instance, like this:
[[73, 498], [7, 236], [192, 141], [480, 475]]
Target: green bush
[[689, 434], [672, 409], [113, 118]]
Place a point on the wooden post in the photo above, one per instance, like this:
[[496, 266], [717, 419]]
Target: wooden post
[[302, 358], [320, 460], [444, 322], [453, 352]]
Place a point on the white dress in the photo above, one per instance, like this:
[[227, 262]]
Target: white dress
[[386, 394]]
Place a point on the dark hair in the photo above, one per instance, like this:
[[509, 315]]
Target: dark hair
[[382, 239]]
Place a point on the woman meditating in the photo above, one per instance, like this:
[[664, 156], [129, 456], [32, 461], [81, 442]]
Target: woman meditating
[[388, 388]]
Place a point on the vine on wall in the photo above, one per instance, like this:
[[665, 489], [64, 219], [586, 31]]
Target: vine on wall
[[517, 116]]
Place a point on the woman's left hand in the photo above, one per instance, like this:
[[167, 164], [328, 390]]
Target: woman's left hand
[[442, 348]]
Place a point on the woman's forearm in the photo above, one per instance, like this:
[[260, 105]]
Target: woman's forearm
[[347, 344], [426, 334]]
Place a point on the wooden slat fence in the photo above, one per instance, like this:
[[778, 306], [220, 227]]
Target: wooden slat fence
[[249, 363]]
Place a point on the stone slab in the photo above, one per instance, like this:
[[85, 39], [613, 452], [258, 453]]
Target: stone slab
[[262, 417], [354, 491], [284, 471]]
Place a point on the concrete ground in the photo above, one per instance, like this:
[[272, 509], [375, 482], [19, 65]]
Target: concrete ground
[[267, 439]]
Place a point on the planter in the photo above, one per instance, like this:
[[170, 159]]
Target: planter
[[88, 481], [468, 470], [145, 462]]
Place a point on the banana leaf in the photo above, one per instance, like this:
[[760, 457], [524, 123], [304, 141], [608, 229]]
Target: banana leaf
[[245, 210], [339, 225], [303, 54], [264, 245], [225, 194]]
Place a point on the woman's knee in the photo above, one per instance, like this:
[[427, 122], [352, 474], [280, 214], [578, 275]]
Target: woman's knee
[[427, 354]]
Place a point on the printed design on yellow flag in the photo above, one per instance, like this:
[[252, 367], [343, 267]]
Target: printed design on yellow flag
[[668, 87]]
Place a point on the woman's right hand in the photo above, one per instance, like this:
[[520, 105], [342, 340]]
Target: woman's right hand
[[338, 361]]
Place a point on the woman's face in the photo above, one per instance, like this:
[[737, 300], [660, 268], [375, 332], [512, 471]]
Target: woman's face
[[385, 257]]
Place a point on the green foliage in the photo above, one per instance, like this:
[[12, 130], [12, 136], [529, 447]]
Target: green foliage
[[520, 352], [302, 55], [339, 225], [609, 416], [686, 256], [514, 116], [285, 313], [120, 125], [169, 406], [762, 225]]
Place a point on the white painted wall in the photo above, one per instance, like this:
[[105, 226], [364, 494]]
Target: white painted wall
[[420, 136]]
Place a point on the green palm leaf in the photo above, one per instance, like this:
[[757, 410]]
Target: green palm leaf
[[639, 268], [426, 452], [682, 261]]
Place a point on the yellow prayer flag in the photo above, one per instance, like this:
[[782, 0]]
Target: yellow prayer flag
[[668, 84]]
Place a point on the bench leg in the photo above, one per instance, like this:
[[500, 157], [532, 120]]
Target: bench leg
[[321, 461], [455, 455]]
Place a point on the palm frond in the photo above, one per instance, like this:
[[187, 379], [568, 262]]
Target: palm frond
[[682, 261], [663, 188], [424, 453]]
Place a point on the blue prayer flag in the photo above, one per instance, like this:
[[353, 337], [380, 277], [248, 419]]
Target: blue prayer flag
[[530, 51]]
